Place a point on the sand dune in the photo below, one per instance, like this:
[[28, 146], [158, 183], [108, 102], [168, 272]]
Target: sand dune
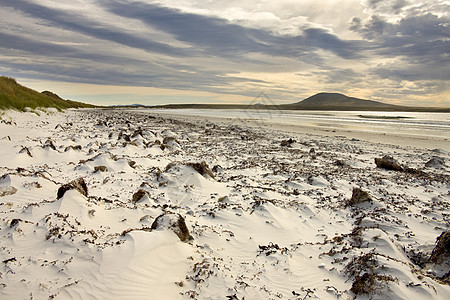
[[268, 217]]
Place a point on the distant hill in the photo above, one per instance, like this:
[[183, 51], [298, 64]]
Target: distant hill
[[16, 96], [331, 101]]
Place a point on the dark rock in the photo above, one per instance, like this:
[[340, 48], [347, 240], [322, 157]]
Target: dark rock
[[441, 252], [169, 139], [139, 195], [202, 168], [388, 163], [77, 147], [359, 196], [217, 169], [100, 169], [138, 132], [435, 162], [78, 184], [340, 163], [14, 222], [287, 143], [174, 222]]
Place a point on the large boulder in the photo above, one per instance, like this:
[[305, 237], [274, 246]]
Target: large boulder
[[77, 184], [174, 222]]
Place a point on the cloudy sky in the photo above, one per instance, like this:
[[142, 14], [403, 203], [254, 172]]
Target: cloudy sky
[[198, 51]]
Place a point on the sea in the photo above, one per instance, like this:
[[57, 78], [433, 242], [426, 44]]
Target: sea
[[426, 124]]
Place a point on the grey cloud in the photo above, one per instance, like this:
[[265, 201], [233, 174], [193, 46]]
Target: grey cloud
[[418, 43], [387, 6], [78, 23], [221, 38]]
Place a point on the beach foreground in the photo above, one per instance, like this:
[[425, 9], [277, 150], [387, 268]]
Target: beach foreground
[[114, 204]]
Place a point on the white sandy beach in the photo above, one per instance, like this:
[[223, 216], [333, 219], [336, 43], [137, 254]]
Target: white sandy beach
[[268, 211]]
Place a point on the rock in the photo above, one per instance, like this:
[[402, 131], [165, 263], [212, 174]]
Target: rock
[[7, 190], [202, 168], [14, 222], [78, 184], [174, 222], [359, 196], [287, 143], [139, 195], [217, 169], [77, 147], [388, 163], [340, 163], [441, 253], [100, 169], [435, 162], [169, 139]]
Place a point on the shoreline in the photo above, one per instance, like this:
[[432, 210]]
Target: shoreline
[[429, 143]]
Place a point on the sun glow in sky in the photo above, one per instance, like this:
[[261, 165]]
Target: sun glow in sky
[[196, 51]]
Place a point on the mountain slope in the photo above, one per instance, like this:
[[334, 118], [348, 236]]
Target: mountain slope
[[16, 96], [339, 101]]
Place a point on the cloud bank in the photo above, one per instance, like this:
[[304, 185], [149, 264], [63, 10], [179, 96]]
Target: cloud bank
[[394, 50]]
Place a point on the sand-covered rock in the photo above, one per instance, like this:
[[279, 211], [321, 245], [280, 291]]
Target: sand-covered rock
[[174, 222], [7, 190], [137, 196], [78, 184], [359, 196]]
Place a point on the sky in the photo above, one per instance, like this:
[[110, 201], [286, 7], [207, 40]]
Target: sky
[[213, 51]]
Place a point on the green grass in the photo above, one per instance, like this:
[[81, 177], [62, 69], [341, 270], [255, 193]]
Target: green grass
[[16, 96]]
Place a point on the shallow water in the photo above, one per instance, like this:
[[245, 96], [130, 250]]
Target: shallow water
[[399, 123]]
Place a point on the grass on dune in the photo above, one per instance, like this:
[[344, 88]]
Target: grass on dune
[[16, 96]]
